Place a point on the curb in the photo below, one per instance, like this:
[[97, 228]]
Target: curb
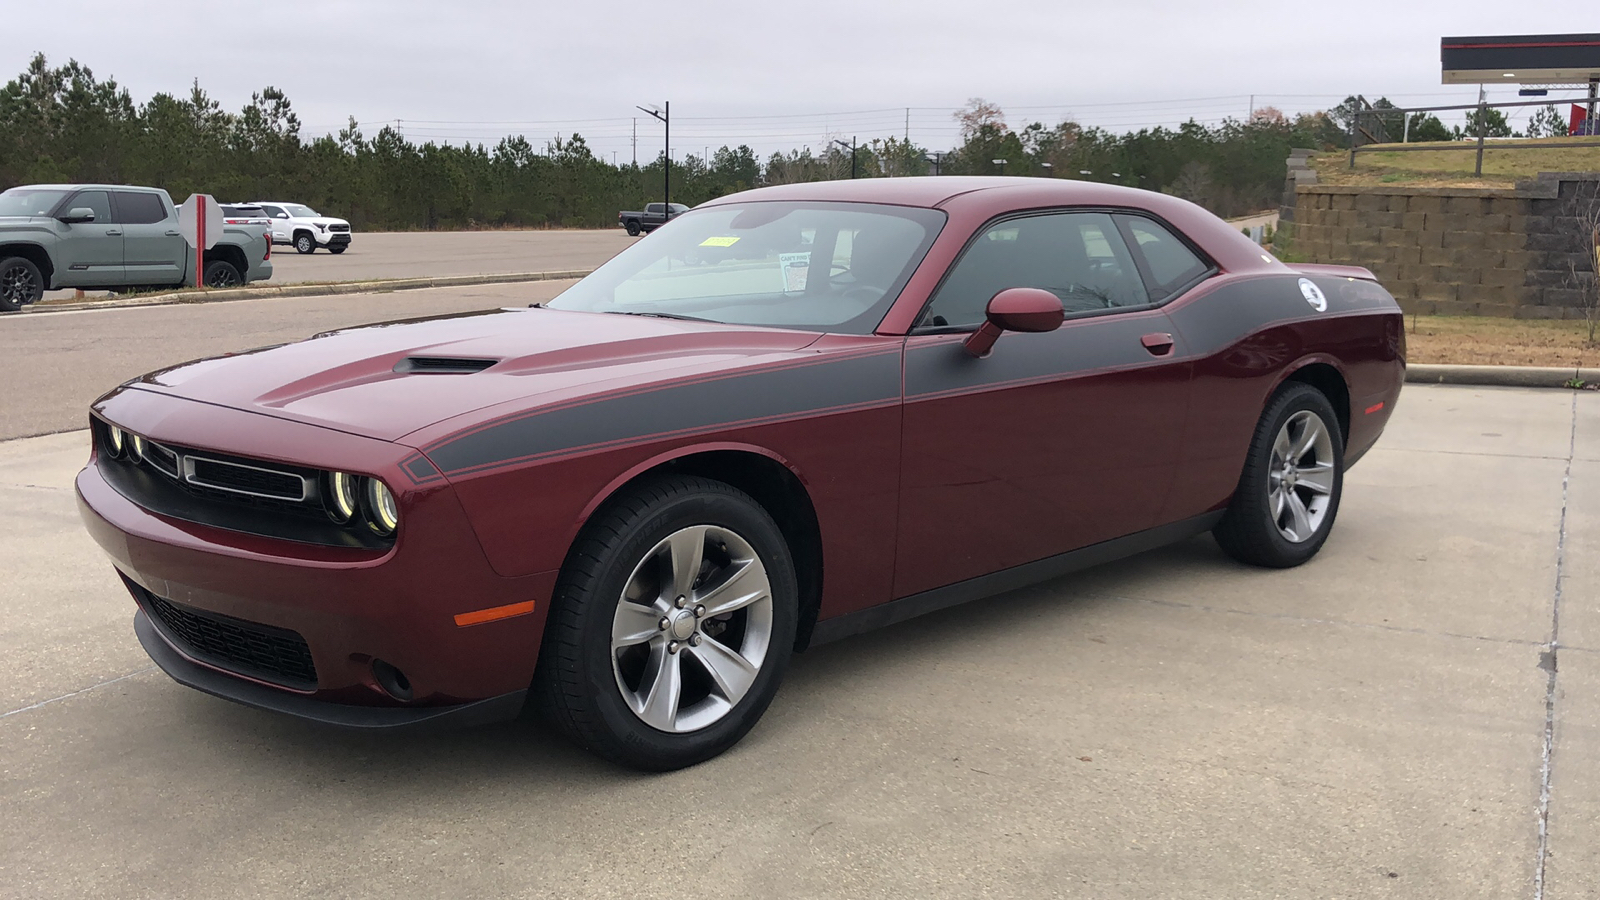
[[312, 290], [1501, 376]]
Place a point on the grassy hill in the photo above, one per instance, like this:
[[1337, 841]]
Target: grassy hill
[[1505, 161]]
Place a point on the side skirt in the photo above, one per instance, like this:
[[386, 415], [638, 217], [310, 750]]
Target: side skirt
[[1010, 579]]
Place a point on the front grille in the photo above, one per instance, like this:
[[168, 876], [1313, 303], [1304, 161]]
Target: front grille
[[254, 480], [261, 651], [338, 227], [161, 458]]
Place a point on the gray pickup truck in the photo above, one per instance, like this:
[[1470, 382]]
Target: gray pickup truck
[[111, 237], [653, 216]]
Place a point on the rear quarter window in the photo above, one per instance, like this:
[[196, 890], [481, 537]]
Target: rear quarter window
[[1170, 264]]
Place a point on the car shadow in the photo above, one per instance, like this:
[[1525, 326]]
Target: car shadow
[[527, 750]]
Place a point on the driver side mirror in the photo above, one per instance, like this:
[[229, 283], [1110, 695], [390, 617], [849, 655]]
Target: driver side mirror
[[1016, 309], [77, 215]]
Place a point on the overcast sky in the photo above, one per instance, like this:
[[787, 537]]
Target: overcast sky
[[469, 70]]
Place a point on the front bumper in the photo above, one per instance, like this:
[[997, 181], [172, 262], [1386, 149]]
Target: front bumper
[[334, 239], [189, 673], [351, 607]]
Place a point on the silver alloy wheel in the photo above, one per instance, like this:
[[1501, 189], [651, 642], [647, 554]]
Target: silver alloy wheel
[[701, 594], [1300, 480]]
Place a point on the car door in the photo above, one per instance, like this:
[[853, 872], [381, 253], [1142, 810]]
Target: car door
[[1054, 441], [89, 254], [153, 249], [280, 222]]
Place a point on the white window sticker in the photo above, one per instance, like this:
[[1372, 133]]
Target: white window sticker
[[793, 268], [1313, 295]]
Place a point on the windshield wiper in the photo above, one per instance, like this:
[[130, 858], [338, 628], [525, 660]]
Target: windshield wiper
[[656, 315]]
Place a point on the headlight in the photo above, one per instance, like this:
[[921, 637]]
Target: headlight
[[321, 227], [113, 440], [342, 499], [382, 512], [135, 447]]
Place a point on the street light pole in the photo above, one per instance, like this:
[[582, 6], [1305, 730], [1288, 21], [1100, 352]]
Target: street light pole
[[1001, 163], [665, 116], [852, 148]]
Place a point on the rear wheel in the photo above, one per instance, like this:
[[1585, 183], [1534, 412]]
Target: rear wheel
[[222, 274], [1289, 491], [305, 243], [633, 227], [671, 626], [21, 283]]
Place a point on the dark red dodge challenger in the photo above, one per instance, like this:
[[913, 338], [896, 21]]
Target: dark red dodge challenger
[[789, 415]]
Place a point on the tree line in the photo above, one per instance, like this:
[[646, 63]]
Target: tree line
[[63, 124]]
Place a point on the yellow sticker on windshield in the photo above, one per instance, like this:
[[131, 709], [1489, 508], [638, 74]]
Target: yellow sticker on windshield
[[719, 242]]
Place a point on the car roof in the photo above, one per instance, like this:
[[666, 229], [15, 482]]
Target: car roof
[[934, 191], [75, 187]]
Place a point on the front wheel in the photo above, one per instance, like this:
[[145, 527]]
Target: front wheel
[[21, 283], [336, 250], [304, 243], [671, 626], [1288, 494]]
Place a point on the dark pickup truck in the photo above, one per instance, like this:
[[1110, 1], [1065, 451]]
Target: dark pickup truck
[[650, 219]]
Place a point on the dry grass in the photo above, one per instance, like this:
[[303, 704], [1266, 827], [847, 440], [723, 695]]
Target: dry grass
[[1503, 164], [1484, 341]]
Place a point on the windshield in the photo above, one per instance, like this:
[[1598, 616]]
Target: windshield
[[26, 202], [301, 212], [752, 264]]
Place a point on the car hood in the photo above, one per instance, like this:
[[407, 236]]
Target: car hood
[[324, 221], [386, 381]]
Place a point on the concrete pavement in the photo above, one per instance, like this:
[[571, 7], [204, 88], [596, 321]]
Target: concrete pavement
[[1373, 724]]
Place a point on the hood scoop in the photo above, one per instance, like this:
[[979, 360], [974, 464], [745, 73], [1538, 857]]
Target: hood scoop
[[442, 365]]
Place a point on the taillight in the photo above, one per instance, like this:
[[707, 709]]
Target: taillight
[[268, 236]]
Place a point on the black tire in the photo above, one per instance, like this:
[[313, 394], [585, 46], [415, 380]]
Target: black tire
[[222, 274], [1251, 531], [337, 250], [577, 687], [21, 283], [633, 228], [305, 243]]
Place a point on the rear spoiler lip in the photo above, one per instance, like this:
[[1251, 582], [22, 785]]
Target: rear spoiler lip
[[1335, 271]]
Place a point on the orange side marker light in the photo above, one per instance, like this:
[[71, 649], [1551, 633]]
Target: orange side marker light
[[494, 613], [1373, 409]]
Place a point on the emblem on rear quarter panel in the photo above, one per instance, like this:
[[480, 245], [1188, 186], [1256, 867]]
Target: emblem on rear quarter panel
[[1313, 295]]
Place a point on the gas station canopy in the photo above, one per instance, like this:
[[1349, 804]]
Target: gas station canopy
[[1521, 59]]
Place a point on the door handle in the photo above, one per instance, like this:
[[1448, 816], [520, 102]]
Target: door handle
[[1159, 343], [174, 233], [113, 232]]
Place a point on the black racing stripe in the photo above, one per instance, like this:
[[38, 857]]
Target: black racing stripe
[[1103, 342], [420, 470], [768, 394], [1228, 314]]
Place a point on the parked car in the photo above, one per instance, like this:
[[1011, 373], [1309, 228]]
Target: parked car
[[650, 218], [110, 237], [245, 214], [629, 505], [305, 228]]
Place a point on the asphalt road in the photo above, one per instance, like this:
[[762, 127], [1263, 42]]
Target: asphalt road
[[1372, 724], [57, 363], [413, 254]]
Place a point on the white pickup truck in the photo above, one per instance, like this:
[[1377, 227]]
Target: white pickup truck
[[300, 225]]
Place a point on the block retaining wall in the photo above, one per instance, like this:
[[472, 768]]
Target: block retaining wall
[[1460, 251]]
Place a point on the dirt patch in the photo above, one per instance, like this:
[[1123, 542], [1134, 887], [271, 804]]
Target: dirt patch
[[1485, 341]]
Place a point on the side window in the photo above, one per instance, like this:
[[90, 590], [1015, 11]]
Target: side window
[[138, 208], [275, 212], [99, 201], [1172, 265], [1080, 257]]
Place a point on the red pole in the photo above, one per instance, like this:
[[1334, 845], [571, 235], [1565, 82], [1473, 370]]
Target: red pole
[[200, 241]]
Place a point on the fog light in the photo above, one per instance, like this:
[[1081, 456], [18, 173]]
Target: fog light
[[382, 512], [342, 500], [113, 440]]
